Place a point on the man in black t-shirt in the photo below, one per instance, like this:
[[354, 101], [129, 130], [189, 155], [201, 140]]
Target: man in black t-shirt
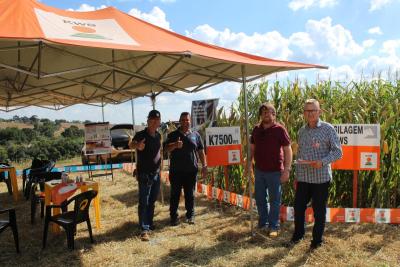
[[186, 148], [148, 146]]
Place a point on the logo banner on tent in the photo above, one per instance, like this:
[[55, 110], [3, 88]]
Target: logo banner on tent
[[204, 113], [101, 30]]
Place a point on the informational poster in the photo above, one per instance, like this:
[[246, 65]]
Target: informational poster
[[360, 145], [223, 146], [97, 138], [204, 113]]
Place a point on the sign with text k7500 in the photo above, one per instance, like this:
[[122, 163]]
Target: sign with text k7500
[[223, 146], [360, 145]]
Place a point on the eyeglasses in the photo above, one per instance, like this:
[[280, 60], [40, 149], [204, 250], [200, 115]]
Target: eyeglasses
[[268, 112], [310, 110]]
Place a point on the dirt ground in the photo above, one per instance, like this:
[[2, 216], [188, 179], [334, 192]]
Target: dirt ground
[[220, 237]]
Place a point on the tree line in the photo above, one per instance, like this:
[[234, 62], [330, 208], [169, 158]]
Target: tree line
[[18, 145]]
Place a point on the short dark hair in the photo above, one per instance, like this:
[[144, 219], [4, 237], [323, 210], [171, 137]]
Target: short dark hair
[[185, 113]]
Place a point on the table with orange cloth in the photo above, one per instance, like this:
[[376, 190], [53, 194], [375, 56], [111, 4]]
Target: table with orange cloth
[[49, 186], [13, 176]]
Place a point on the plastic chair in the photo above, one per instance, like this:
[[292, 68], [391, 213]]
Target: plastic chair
[[37, 191], [29, 175], [69, 219], [11, 222], [6, 180]]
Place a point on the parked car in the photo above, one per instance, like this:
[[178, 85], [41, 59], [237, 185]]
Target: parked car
[[120, 152]]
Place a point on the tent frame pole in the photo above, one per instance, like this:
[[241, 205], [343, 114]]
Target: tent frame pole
[[39, 63], [133, 151], [248, 156], [102, 108]]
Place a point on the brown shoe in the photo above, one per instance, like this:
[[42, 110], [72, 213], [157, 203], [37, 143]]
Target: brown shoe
[[273, 233], [144, 236]]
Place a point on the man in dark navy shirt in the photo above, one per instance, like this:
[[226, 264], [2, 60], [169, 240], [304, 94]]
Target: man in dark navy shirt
[[270, 148], [148, 146], [186, 148]]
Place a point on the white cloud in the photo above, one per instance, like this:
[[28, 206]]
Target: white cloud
[[156, 16], [164, 1], [322, 40], [383, 65], [378, 4], [304, 41], [368, 43], [306, 4], [86, 7], [342, 73], [375, 65], [271, 44], [375, 30], [391, 48]]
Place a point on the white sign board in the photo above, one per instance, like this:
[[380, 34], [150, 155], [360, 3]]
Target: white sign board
[[359, 134], [360, 146], [222, 136], [97, 138], [223, 146]]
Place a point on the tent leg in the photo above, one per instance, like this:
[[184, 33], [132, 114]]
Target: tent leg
[[246, 110], [133, 152], [102, 108], [153, 100]]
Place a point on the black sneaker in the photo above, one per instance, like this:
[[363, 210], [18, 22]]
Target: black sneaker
[[174, 222], [190, 220], [293, 242], [314, 246]]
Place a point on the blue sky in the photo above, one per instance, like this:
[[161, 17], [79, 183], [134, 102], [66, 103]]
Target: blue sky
[[351, 37]]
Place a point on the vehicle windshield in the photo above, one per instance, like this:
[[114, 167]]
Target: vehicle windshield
[[120, 132]]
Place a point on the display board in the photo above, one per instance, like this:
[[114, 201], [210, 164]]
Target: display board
[[223, 146], [360, 145], [97, 138]]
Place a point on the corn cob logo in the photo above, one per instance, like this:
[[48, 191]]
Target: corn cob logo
[[87, 32]]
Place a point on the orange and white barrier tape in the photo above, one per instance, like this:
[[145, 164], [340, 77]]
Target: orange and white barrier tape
[[333, 215]]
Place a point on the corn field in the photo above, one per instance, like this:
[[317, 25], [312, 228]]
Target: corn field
[[363, 102]]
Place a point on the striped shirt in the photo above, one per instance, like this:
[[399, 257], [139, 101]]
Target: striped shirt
[[319, 143]]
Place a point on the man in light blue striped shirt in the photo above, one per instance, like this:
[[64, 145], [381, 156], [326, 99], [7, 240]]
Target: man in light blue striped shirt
[[319, 146]]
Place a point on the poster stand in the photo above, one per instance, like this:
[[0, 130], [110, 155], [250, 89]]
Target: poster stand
[[92, 167], [98, 144]]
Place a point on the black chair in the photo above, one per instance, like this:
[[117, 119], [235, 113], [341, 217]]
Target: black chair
[[69, 219], [37, 191], [12, 222], [5, 179], [30, 175]]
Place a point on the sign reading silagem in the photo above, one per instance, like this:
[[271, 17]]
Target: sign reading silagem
[[360, 145]]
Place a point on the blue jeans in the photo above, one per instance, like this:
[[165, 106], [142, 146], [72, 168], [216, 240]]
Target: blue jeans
[[149, 186], [268, 189]]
